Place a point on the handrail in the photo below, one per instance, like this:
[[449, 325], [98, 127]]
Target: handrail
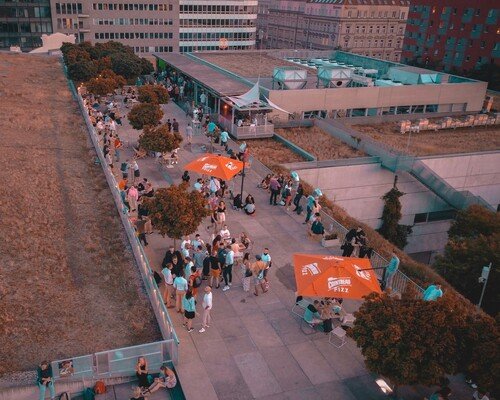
[[162, 316]]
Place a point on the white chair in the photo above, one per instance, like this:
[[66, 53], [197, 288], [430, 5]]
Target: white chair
[[348, 319], [337, 337]]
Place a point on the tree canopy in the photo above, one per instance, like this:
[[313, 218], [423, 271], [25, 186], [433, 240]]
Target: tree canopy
[[153, 94], [159, 139], [391, 214], [473, 242], [85, 61], [144, 114], [105, 83], [414, 342], [175, 211]]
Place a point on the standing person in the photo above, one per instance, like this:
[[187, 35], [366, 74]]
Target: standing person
[[194, 281], [169, 256], [168, 280], [124, 169], [258, 268], [311, 205], [189, 305], [206, 262], [189, 133], [185, 177], [198, 257], [45, 379], [287, 195], [180, 286], [175, 126], [135, 167], [214, 270], [224, 137], [247, 272], [140, 225], [432, 293], [169, 125], [274, 186], [207, 306], [132, 197], [221, 214], [227, 272], [390, 271], [266, 258]]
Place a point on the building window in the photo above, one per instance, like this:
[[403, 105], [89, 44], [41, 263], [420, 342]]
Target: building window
[[483, 44], [467, 58], [478, 12]]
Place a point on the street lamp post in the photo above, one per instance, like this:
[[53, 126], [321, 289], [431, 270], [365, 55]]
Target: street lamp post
[[484, 280]]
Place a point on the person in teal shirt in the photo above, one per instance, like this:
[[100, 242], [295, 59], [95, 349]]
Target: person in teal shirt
[[311, 314], [390, 271], [432, 293], [189, 305], [211, 127], [224, 136], [311, 203]]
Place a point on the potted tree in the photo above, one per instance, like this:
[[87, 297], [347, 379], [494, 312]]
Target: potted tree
[[330, 240]]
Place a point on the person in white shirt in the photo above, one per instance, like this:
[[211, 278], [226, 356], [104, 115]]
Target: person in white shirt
[[185, 246], [224, 232], [169, 282], [198, 241], [207, 306]]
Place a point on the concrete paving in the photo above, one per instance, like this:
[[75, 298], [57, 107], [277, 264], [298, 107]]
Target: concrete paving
[[254, 348]]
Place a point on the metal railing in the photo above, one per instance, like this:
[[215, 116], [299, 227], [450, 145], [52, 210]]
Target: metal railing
[[246, 132], [162, 316], [115, 363], [400, 281]]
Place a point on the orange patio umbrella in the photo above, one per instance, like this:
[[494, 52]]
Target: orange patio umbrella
[[218, 166], [334, 276]]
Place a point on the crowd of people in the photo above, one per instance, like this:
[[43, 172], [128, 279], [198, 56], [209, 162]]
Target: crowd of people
[[191, 272]]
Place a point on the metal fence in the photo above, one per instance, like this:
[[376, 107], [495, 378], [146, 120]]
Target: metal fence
[[115, 363], [400, 281]]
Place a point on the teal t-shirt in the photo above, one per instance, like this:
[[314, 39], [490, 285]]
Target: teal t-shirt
[[224, 136]]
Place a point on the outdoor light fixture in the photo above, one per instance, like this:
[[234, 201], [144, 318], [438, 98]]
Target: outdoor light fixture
[[383, 386]]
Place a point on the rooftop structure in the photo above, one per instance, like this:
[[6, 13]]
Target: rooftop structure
[[337, 84]]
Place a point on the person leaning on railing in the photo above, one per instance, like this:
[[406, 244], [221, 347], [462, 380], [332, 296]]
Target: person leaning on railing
[[45, 379]]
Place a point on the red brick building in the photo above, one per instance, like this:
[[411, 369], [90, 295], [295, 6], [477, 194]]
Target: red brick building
[[446, 34]]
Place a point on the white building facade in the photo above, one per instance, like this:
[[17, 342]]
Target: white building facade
[[217, 25]]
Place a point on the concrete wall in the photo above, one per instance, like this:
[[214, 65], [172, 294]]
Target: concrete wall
[[471, 93], [359, 188]]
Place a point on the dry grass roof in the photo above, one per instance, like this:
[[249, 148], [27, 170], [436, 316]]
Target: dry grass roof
[[249, 64], [68, 285], [446, 141]]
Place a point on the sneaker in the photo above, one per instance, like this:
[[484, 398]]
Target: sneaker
[[225, 288], [229, 284], [207, 326], [202, 330], [190, 330]]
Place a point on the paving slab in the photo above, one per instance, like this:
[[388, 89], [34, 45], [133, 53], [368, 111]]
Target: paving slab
[[286, 369], [257, 374], [312, 363]]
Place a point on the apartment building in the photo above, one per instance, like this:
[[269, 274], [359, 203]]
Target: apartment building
[[217, 25], [456, 34], [23, 22], [374, 28], [145, 25]]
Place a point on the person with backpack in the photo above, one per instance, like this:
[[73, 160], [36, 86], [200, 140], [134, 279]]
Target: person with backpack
[[194, 281], [45, 379], [168, 290]]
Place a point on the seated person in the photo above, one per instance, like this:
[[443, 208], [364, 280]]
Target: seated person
[[311, 314], [244, 241], [167, 379], [265, 182], [249, 199], [317, 227], [225, 234], [249, 208], [237, 204], [175, 157]]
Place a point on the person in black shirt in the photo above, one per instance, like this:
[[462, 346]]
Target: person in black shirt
[[45, 380], [169, 256], [185, 177]]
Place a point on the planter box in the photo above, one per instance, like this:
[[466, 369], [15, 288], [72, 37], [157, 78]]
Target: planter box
[[330, 243]]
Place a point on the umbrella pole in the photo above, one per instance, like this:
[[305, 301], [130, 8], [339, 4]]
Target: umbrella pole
[[242, 181]]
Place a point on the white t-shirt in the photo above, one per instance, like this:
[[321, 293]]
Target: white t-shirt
[[207, 301], [167, 274], [225, 233]]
